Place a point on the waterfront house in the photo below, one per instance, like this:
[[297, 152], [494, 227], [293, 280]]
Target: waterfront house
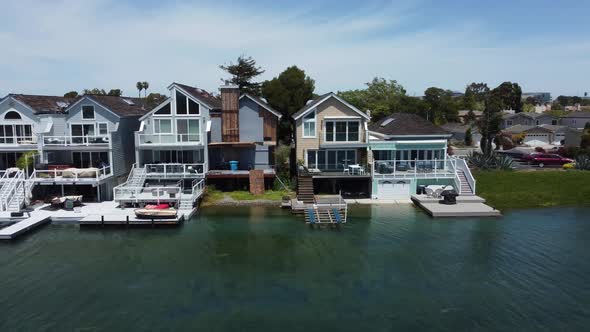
[[81, 145], [242, 139], [409, 151], [331, 147]]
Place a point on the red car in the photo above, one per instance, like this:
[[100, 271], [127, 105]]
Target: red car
[[549, 159]]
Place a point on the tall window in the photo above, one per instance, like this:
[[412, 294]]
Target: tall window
[[188, 130], [88, 112], [185, 106], [103, 128], [342, 131], [162, 126], [309, 125]]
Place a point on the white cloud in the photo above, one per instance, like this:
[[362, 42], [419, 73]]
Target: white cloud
[[58, 46]]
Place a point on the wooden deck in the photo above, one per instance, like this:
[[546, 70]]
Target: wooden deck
[[467, 206]]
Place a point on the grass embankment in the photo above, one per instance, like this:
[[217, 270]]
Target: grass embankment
[[530, 189], [213, 197]]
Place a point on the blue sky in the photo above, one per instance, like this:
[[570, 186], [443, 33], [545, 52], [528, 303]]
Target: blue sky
[[51, 47]]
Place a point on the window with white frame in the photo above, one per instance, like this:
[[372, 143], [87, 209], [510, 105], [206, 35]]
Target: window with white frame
[[103, 128], [185, 105], [162, 126], [342, 131], [508, 123], [309, 125], [88, 112]]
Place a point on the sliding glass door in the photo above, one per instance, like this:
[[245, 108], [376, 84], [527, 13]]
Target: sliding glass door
[[331, 160]]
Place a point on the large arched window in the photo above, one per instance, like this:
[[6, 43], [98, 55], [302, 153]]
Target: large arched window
[[12, 115]]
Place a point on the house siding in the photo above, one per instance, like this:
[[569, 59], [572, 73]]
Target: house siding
[[575, 122], [526, 121], [251, 123], [329, 108]]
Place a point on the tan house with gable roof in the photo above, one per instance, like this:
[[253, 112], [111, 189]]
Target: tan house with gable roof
[[332, 140]]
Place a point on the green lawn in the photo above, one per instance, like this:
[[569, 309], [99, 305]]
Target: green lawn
[[212, 196], [530, 189]]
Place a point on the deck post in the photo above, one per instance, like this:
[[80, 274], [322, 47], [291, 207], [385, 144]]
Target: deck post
[[102, 220]]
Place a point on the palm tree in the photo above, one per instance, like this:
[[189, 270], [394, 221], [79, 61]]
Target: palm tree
[[146, 85], [139, 87]]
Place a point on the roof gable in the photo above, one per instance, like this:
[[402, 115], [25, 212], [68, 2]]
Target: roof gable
[[200, 95], [43, 104], [321, 99], [262, 104]]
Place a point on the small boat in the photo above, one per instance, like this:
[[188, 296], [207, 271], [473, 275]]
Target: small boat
[[158, 211]]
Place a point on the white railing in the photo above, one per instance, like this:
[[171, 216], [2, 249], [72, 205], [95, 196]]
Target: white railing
[[138, 194], [10, 188], [461, 165], [198, 186], [412, 168], [169, 139], [71, 174], [23, 140], [174, 170], [75, 140]]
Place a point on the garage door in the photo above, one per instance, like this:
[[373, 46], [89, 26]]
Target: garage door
[[536, 139], [393, 189]]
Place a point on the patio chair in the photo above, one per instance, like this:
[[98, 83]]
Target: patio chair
[[429, 192], [402, 166], [437, 192], [345, 170]]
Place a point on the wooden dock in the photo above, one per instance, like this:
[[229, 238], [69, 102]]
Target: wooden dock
[[467, 206], [14, 230]]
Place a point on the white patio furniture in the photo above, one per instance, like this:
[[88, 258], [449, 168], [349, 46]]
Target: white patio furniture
[[345, 170], [354, 168]]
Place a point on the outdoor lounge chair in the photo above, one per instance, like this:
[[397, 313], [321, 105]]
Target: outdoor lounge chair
[[429, 192]]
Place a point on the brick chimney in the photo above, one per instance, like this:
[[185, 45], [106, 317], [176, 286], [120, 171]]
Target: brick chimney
[[230, 126]]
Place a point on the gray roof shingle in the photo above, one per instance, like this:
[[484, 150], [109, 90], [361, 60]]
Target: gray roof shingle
[[406, 124], [45, 104], [202, 95]]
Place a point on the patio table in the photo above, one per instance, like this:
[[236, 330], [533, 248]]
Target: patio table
[[355, 168]]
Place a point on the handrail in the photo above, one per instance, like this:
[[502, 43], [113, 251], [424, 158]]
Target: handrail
[[461, 164], [175, 169], [169, 138], [9, 190], [69, 140], [101, 173], [197, 188], [18, 139]]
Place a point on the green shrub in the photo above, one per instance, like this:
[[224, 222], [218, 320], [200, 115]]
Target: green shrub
[[583, 163]]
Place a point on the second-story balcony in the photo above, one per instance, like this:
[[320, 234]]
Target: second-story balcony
[[168, 139], [66, 141], [18, 141], [175, 170]]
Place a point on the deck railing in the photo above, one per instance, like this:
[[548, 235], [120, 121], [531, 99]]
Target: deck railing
[[155, 194], [198, 186], [69, 175], [169, 139], [76, 140], [22, 140], [9, 189], [413, 168], [175, 170], [461, 165]]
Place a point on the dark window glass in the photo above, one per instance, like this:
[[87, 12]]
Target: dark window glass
[[87, 112], [12, 115], [193, 108], [180, 103], [353, 131], [164, 110], [329, 131], [340, 131]]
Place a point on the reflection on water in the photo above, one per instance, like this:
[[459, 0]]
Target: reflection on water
[[259, 269]]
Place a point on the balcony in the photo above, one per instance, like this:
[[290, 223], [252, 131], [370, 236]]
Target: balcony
[[76, 141], [24, 141], [168, 139], [413, 169], [175, 170], [336, 171], [71, 175]]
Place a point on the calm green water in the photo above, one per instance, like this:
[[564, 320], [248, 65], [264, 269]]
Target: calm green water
[[261, 269]]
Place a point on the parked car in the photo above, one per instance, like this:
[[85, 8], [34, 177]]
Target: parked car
[[549, 159], [529, 157]]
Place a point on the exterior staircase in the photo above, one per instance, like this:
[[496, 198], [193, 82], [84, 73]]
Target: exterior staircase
[[136, 177], [15, 192], [305, 189], [466, 189], [186, 202]]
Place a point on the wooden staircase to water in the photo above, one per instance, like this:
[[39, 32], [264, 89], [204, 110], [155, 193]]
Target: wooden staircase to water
[[305, 189]]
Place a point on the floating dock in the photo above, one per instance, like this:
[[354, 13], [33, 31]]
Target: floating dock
[[467, 206], [326, 210], [90, 214], [24, 225]]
